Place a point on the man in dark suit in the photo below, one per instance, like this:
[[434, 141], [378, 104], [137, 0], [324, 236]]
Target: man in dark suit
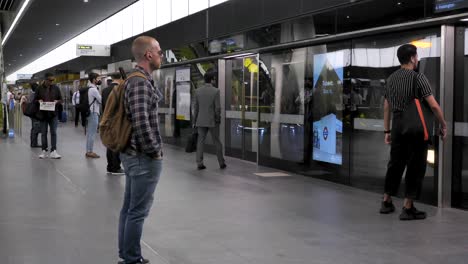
[[207, 114]]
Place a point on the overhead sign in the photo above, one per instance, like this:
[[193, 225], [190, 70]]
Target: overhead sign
[[20, 76], [449, 5], [93, 50]]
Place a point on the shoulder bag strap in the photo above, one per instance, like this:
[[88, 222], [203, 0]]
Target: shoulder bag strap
[[415, 86], [419, 108]]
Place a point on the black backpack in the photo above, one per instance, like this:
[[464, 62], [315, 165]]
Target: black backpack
[[84, 105], [30, 107]]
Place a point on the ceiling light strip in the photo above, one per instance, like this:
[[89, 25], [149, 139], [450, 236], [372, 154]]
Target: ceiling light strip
[[1, 4], [23, 7]]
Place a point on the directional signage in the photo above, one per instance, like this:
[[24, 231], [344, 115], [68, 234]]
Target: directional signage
[[93, 50]]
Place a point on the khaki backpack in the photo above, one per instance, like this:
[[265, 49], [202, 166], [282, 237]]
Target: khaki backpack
[[115, 127]]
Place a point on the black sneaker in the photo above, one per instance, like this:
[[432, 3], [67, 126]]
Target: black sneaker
[[201, 167], [420, 214], [387, 207], [412, 214], [223, 166], [143, 261]]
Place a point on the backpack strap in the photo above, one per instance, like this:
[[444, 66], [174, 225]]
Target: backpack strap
[[136, 74], [132, 75]]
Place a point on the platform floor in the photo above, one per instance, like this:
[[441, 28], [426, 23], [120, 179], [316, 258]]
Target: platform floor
[[66, 211]]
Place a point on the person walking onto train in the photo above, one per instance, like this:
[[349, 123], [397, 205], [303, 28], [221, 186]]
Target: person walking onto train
[[207, 114], [407, 150]]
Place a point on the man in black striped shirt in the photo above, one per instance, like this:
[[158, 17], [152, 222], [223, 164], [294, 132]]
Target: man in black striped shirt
[[406, 151]]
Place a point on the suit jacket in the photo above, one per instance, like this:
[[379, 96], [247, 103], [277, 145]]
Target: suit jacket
[[207, 108]]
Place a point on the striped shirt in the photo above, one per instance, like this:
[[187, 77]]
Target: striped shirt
[[399, 88], [141, 105]]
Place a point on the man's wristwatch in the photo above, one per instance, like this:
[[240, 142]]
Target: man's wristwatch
[[387, 131]]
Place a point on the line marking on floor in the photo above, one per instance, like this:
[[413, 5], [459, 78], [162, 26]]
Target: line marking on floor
[[155, 252], [273, 174], [75, 186]]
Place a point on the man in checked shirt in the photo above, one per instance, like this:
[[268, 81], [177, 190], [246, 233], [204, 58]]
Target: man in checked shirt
[[142, 159]]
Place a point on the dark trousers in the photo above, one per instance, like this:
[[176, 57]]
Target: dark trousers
[[77, 117], [202, 133], [113, 161], [410, 153], [35, 130], [45, 124]]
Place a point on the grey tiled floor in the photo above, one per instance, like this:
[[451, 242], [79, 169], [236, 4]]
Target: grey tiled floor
[[66, 211]]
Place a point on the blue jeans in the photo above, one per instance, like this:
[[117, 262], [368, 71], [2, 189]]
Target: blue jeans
[[45, 124], [93, 122], [142, 175]]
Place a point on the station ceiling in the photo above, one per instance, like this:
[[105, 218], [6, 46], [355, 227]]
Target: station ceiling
[[47, 24]]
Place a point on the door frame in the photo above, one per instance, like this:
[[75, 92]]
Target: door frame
[[222, 86]]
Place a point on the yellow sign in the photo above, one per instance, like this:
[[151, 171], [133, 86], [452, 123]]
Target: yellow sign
[[422, 44], [85, 47]]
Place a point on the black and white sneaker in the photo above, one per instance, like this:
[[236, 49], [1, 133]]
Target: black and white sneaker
[[143, 261], [387, 207], [117, 172], [412, 214]]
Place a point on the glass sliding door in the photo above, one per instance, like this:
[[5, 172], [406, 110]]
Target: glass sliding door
[[242, 107], [460, 114], [302, 111], [374, 59]]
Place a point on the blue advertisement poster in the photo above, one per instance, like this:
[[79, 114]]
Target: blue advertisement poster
[[328, 124]]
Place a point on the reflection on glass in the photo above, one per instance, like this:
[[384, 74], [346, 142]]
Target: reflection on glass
[[374, 60], [460, 140], [328, 106], [282, 105], [164, 80], [242, 107]]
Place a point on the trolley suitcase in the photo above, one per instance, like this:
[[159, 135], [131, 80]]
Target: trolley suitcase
[[63, 118]]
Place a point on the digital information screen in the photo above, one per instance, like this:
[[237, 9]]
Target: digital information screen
[[449, 5], [328, 126]]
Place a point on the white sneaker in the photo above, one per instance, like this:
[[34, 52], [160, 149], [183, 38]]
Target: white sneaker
[[44, 155], [55, 155]]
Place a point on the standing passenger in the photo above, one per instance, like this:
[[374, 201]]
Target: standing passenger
[[35, 123], [94, 100], [142, 160], [75, 103], [113, 158], [48, 92]]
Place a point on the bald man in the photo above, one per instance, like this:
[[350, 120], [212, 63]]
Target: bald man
[[142, 159]]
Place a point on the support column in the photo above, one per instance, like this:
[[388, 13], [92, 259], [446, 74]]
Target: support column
[[446, 102], [222, 93]]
